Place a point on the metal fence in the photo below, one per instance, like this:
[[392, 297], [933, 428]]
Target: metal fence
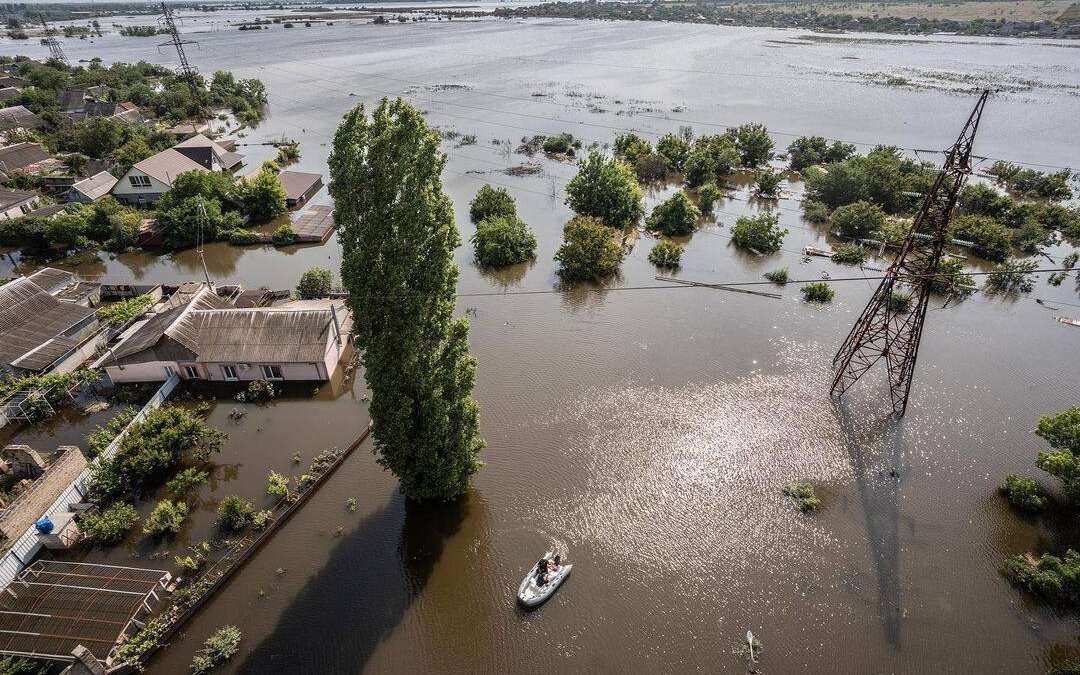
[[26, 546]]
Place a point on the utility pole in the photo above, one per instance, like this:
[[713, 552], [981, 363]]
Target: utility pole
[[203, 218], [186, 71], [56, 53], [881, 330]]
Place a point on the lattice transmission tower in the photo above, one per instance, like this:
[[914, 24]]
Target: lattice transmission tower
[[56, 52], [186, 71], [884, 330]]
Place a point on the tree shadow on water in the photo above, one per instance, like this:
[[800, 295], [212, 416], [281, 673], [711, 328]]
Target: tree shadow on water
[[340, 617], [874, 446]]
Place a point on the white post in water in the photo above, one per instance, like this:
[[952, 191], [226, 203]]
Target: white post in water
[[750, 641]]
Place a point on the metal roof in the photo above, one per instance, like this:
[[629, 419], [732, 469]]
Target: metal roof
[[297, 183], [53, 606], [52, 280], [22, 155], [167, 165], [18, 117], [260, 335], [96, 186], [11, 198], [30, 318], [160, 334]]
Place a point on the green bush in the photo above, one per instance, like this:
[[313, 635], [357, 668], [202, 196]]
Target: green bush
[[315, 282], [708, 195], [818, 291], [711, 158], [651, 168], [630, 148], [287, 154], [778, 276], [815, 212], [563, 144], [1053, 579], [811, 150], [990, 238], [882, 176], [804, 495], [589, 251], [186, 564], [100, 438], [760, 233], [767, 184], [491, 202], [242, 237], [111, 524], [1024, 493], [675, 148], [1062, 432], [219, 647], [185, 481], [675, 216], [119, 313], [1012, 276], [503, 240], [263, 196], [900, 302], [951, 279], [850, 254], [858, 220], [666, 254], [166, 518], [754, 144], [234, 513], [605, 189], [277, 484], [283, 236]]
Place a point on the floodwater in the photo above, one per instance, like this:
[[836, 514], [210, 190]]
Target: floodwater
[[650, 431]]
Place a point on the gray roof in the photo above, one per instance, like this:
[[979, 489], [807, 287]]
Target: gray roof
[[11, 198], [226, 157], [33, 324], [52, 280], [22, 155], [18, 117], [163, 337], [167, 165], [96, 186], [46, 211], [8, 93], [262, 335]]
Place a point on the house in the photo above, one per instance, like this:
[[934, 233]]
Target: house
[[128, 113], [89, 190], [15, 203], [205, 338], [213, 155], [37, 329], [46, 211], [189, 129], [16, 117], [76, 99], [299, 187], [27, 158], [146, 181]]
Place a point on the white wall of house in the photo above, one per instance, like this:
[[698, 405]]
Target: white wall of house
[[290, 372], [139, 192], [151, 371], [19, 209]]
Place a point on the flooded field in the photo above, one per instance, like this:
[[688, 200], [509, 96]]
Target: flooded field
[[649, 430]]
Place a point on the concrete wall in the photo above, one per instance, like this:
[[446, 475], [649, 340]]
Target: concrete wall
[[153, 371]]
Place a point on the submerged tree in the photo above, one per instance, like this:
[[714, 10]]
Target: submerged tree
[[397, 233]]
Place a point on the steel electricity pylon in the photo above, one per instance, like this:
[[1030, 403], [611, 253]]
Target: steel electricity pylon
[[56, 52], [186, 71], [885, 329]]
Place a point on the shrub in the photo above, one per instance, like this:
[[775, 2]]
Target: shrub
[[491, 202], [263, 196], [711, 158], [810, 150], [315, 282], [185, 481], [283, 236], [186, 564], [778, 276], [900, 302], [1052, 578], [110, 525], [605, 189], [675, 216], [767, 184], [287, 154], [675, 148], [651, 167], [261, 519], [222, 645], [589, 251], [1011, 276], [563, 144], [951, 279], [119, 313], [277, 484], [851, 254], [760, 233], [708, 195], [754, 144], [167, 517], [100, 438], [815, 212], [1062, 432], [818, 291], [242, 237], [630, 147], [234, 513], [858, 220], [990, 238], [503, 240], [666, 254], [1024, 493], [803, 494], [1031, 238]]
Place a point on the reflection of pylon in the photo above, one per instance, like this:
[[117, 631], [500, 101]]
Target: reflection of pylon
[[56, 52], [186, 71], [884, 329]]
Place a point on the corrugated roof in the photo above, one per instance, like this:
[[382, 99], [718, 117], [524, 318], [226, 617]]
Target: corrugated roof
[[10, 198], [167, 165], [260, 335], [96, 186], [30, 317], [151, 332], [52, 280], [18, 117], [22, 155]]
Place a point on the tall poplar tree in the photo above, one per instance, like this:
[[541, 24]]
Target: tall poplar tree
[[397, 233]]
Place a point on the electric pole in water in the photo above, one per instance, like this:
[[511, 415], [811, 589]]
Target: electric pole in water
[[186, 71], [883, 329], [56, 53]]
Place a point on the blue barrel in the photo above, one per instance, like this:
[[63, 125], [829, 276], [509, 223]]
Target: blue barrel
[[44, 525]]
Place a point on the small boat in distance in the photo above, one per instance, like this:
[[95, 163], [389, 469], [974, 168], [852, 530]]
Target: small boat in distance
[[542, 580]]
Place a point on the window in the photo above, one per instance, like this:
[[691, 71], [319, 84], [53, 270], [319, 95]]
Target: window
[[229, 372], [191, 372], [271, 372], [139, 181], [169, 371]]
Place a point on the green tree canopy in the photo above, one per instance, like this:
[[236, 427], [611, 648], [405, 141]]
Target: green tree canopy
[[605, 189], [630, 147], [674, 216], [675, 148], [397, 233], [490, 202], [991, 239], [503, 240], [315, 282], [858, 220], [589, 251], [810, 150], [760, 233], [711, 158], [754, 144], [263, 196]]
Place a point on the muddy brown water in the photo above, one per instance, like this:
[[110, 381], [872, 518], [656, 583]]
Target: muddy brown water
[[647, 431]]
